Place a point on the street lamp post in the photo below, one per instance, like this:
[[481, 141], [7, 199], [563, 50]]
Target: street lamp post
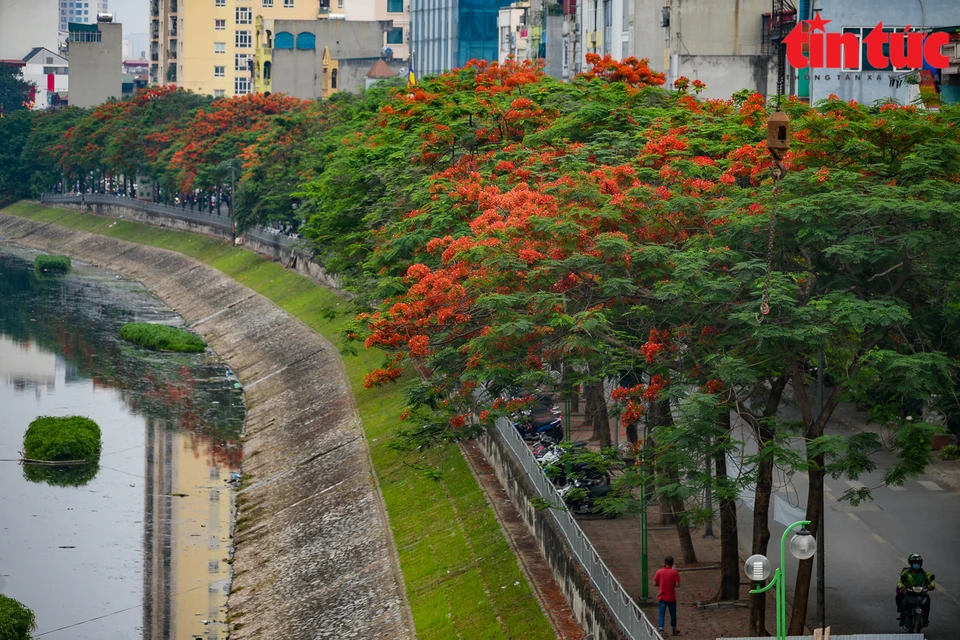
[[803, 545]]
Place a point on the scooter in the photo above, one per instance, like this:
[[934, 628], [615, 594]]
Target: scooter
[[912, 618], [581, 498]]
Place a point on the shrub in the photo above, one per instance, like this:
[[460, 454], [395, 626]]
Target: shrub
[[160, 337], [66, 438], [52, 263], [950, 452], [16, 619]]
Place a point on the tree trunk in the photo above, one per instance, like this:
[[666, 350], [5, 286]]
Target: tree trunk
[[814, 421], [729, 535], [677, 508], [764, 489], [596, 413]]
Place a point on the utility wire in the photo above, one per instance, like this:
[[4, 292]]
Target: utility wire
[[107, 615]]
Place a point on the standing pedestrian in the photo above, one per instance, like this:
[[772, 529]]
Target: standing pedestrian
[[667, 580]]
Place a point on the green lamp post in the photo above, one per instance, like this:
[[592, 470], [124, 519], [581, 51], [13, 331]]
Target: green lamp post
[[803, 546]]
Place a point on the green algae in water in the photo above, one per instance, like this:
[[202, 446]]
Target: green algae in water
[[65, 438], [161, 337], [59, 264]]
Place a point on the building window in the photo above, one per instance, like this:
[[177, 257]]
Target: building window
[[219, 72], [306, 40], [218, 93], [219, 47], [394, 6], [287, 4], [862, 32], [267, 70], [243, 40], [395, 35], [283, 40], [244, 15], [333, 79], [241, 85], [241, 62], [339, 4], [220, 25], [221, 3], [268, 3]]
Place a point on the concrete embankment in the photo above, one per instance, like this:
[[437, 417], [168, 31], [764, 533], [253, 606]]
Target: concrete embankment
[[314, 554]]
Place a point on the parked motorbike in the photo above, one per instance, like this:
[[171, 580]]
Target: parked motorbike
[[581, 498], [914, 600]]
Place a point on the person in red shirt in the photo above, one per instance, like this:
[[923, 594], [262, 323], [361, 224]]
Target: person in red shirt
[[667, 580]]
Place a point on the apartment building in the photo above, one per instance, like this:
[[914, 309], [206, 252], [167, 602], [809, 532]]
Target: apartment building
[[396, 39], [209, 46], [81, 11]]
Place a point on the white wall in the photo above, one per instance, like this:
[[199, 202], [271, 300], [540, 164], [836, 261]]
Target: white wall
[[725, 75], [25, 24]]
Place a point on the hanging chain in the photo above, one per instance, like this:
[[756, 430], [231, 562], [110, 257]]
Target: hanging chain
[[777, 171]]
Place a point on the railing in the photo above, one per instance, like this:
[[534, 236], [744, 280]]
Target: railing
[[215, 220], [628, 615]]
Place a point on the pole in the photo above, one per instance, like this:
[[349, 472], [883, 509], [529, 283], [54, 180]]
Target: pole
[[644, 555], [779, 583], [233, 225], [822, 555], [708, 528]]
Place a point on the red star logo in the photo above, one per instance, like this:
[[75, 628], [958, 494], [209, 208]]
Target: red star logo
[[818, 23]]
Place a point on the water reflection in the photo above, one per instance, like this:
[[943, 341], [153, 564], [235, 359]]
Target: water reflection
[[144, 541]]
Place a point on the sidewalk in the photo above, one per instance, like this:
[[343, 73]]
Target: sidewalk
[[618, 542]]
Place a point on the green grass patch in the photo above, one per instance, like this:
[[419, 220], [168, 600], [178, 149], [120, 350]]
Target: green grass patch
[[160, 337], [62, 438], [461, 576], [60, 264]]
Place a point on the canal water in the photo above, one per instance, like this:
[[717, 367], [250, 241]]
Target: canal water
[[137, 547]]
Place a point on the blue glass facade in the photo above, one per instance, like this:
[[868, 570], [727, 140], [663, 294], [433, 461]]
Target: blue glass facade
[[445, 34], [478, 30]]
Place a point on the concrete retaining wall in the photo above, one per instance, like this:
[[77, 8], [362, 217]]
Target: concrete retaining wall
[[290, 257], [314, 553], [586, 604]]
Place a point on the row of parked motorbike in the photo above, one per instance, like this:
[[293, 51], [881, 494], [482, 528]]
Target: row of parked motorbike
[[579, 483]]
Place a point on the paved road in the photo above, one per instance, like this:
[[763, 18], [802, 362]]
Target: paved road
[[867, 546]]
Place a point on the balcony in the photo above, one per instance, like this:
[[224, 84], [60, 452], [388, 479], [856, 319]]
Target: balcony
[[173, 32], [172, 54], [154, 57], [173, 6]]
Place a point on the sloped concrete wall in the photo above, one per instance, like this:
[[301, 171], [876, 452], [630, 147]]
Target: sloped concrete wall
[[314, 553]]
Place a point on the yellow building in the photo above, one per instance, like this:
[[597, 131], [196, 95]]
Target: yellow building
[[210, 46]]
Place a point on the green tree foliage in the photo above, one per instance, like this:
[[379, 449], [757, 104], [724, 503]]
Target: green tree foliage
[[14, 176], [52, 263], [17, 621], [14, 90]]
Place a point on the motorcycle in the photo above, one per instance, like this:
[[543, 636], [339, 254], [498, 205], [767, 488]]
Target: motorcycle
[[912, 618], [581, 497]]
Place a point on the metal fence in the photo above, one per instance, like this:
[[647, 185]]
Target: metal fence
[[218, 221], [630, 617]]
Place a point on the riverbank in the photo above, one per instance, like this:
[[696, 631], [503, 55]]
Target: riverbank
[[461, 576], [313, 547]]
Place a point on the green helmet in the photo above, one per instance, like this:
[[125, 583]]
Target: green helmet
[[915, 559]]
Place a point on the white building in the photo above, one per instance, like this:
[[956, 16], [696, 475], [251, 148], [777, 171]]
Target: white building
[[514, 31], [49, 72], [82, 11]]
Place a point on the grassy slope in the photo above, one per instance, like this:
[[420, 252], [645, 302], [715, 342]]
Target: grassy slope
[[461, 576]]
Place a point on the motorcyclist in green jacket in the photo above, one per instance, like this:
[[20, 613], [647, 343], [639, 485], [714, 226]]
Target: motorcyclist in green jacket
[[914, 576]]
